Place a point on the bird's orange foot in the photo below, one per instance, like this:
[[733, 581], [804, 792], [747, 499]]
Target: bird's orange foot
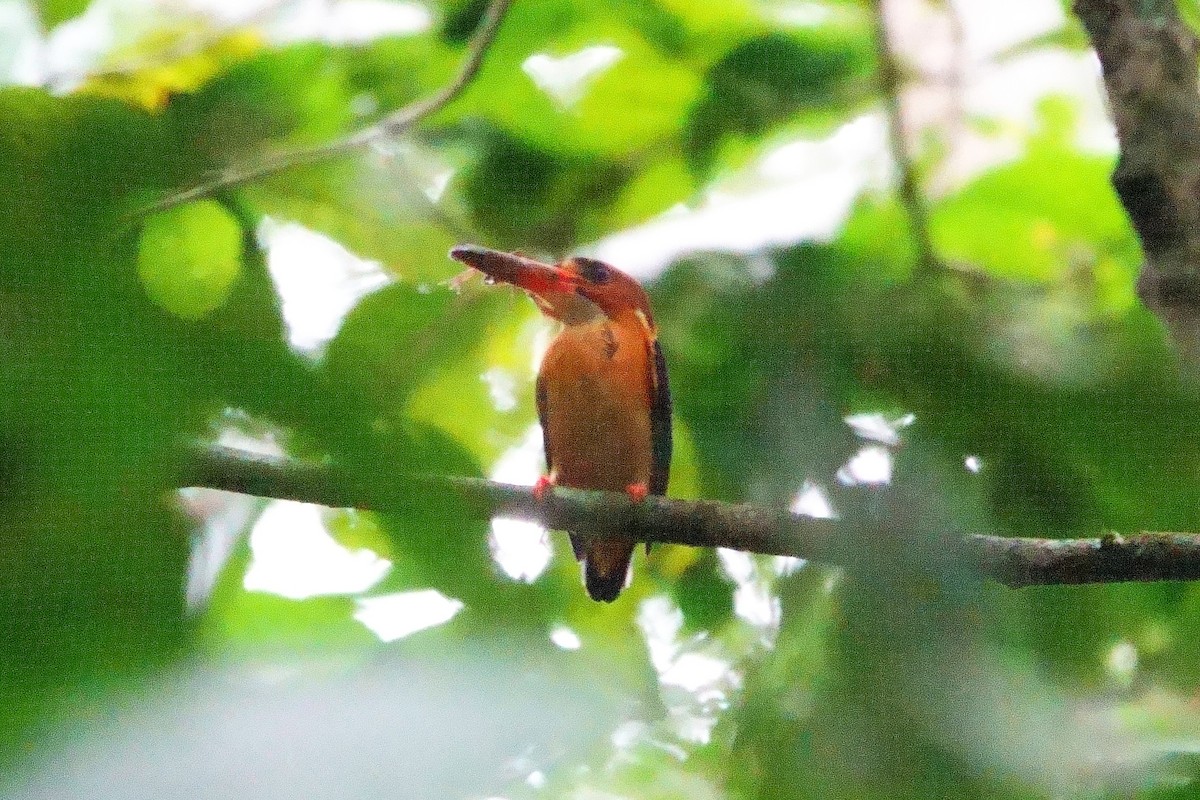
[[637, 491], [543, 487]]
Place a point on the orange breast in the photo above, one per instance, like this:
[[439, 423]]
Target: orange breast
[[597, 406]]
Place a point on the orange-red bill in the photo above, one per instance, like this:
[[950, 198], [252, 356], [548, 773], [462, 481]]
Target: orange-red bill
[[528, 274]]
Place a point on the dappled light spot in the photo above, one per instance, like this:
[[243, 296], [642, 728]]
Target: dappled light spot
[[693, 728], [364, 104], [1122, 661], [786, 565], [695, 671], [293, 555], [628, 733], [632, 733], [224, 516], [245, 432], [973, 464], [521, 549], [878, 428], [394, 616], [802, 191], [870, 466], [754, 600], [567, 639], [989, 31], [696, 675], [660, 621], [801, 14], [318, 281], [22, 59], [812, 501], [757, 604], [349, 21], [437, 184], [566, 79], [502, 388], [738, 565]]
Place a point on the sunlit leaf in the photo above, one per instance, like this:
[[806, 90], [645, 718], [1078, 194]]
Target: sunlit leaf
[[170, 61], [1033, 204], [53, 12], [189, 258]]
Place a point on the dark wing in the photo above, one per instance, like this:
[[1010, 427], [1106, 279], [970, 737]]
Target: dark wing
[[660, 424]]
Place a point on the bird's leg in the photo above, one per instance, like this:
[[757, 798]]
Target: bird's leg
[[543, 487]]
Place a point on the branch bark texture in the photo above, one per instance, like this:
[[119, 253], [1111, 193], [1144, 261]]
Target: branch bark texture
[[1148, 59], [1014, 562]]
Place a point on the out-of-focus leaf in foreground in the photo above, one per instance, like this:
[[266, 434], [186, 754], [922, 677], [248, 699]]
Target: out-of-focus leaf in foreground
[[97, 394], [424, 726]]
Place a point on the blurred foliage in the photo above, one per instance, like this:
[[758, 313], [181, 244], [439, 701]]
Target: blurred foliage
[[189, 258], [1045, 401], [53, 12]]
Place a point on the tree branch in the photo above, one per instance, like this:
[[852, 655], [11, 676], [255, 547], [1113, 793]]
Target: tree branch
[[394, 124], [909, 186], [704, 523], [1148, 61]]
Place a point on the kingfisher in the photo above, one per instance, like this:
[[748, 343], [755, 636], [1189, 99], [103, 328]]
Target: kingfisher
[[602, 395]]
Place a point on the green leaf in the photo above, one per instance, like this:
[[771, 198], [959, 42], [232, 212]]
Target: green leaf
[[630, 98], [101, 392], [54, 12], [399, 336], [190, 257], [287, 97], [378, 211], [704, 594], [524, 193], [1189, 12], [760, 374], [1022, 220], [766, 80]]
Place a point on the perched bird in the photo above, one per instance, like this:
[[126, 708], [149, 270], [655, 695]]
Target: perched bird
[[602, 393]]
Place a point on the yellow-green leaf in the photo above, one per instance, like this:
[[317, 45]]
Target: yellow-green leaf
[[190, 257]]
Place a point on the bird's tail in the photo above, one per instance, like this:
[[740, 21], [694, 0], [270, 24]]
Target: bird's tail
[[605, 566]]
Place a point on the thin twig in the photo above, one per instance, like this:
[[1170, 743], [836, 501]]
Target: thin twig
[[956, 85], [1013, 562], [394, 124], [909, 188]]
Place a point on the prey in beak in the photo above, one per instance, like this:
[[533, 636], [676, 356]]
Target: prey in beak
[[551, 286]]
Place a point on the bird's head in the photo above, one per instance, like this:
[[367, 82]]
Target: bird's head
[[574, 290], [612, 290]]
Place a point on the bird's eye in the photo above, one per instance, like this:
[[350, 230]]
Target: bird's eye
[[593, 271]]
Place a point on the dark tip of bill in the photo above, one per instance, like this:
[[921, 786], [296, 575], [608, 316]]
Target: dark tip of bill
[[463, 252]]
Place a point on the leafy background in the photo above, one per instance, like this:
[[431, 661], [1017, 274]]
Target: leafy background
[[164, 643]]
